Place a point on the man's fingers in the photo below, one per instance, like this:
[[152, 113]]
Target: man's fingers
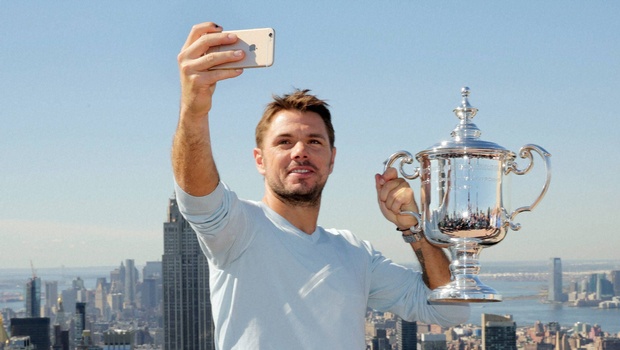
[[390, 174], [397, 198], [216, 58], [199, 30], [390, 185], [216, 75], [201, 46], [395, 195], [204, 63]]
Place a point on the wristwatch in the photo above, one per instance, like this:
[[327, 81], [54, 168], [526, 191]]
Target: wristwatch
[[412, 238]]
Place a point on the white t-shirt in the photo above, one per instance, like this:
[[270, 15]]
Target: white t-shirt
[[276, 287]]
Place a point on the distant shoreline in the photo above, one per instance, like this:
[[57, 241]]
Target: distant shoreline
[[488, 266]]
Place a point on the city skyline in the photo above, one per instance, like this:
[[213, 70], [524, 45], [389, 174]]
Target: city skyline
[[518, 300], [90, 96]]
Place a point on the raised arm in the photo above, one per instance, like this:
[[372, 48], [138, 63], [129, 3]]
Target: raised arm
[[192, 158], [395, 195]]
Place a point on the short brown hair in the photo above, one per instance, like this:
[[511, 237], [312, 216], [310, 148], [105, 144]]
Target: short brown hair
[[300, 100]]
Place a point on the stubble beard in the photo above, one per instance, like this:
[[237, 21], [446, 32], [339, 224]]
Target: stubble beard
[[305, 197]]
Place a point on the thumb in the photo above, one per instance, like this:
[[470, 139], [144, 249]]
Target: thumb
[[379, 181]]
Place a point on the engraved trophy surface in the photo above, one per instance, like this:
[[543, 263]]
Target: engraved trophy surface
[[462, 200]]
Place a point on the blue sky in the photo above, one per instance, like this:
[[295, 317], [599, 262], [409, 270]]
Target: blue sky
[[89, 99]]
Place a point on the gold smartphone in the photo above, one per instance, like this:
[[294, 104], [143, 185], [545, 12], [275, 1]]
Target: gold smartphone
[[258, 44]]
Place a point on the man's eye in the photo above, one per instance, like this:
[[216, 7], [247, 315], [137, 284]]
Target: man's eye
[[316, 142], [284, 142]]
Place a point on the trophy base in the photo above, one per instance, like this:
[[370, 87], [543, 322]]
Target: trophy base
[[466, 290]]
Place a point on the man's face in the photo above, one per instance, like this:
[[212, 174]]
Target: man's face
[[296, 157]]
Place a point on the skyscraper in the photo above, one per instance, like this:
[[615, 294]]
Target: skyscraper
[[152, 284], [4, 337], [406, 335], [60, 315], [61, 338], [498, 332], [152, 269], [33, 297], [131, 279], [79, 322], [555, 281], [101, 298], [187, 308], [37, 328], [51, 297], [380, 340], [615, 281]]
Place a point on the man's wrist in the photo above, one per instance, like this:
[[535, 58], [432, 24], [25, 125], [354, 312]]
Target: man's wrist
[[410, 236]]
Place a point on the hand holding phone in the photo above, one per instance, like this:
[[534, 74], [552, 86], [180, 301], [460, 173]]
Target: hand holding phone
[[258, 45]]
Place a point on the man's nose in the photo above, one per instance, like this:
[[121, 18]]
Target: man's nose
[[299, 151]]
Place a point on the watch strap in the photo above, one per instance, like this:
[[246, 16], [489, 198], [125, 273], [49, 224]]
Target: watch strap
[[411, 238]]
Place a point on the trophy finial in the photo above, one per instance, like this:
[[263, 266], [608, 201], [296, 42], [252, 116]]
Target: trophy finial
[[465, 91], [465, 110]]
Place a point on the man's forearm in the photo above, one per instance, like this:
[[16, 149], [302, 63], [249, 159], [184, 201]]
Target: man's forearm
[[434, 263], [192, 157]]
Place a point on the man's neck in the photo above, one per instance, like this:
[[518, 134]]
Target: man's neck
[[300, 216]]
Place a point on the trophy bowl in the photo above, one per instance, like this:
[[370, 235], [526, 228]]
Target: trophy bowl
[[462, 200]]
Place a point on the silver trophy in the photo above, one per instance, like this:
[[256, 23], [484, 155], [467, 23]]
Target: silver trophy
[[462, 200]]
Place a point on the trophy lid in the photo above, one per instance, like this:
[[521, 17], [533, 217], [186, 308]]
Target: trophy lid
[[465, 136]]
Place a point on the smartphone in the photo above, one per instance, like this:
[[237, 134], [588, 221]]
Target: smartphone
[[258, 44]]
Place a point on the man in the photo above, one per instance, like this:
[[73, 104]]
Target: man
[[279, 281]]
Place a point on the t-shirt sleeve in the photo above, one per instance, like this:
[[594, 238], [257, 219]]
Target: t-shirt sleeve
[[401, 290], [219, 221]]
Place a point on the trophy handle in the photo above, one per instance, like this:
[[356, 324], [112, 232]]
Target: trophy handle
[[417, 228], [407, 158], [526, 152]]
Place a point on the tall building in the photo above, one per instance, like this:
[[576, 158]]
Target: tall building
[[149, 293], [37, 328], [380, 340], [61, 338], [131, 280], [187, 308], [33, 297], [498, 332], [151, 285], [430, 341], [101, 299], [51, 296], [79, 322], [4, 337], [615, 281], [121, 274], [115, 276], [406, 335], [555, 281], [60, 319], [152, 269], [604, 288], [600, 286]]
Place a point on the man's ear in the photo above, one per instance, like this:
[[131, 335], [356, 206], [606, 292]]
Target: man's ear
[[331, 165], [258, 160]]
